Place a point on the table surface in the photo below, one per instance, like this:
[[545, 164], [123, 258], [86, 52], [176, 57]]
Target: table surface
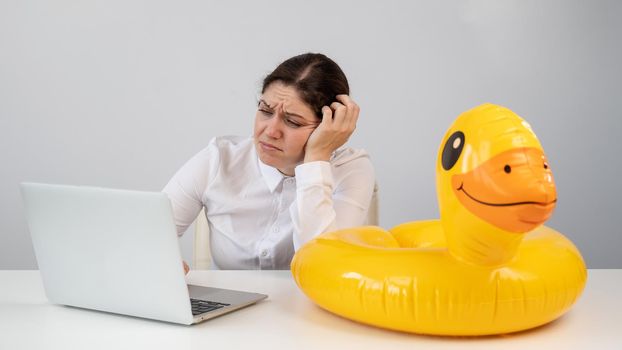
[[286, 320]]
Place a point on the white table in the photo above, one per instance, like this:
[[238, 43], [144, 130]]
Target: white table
[[286, 320]]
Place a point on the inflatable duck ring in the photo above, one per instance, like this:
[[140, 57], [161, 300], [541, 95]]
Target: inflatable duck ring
[[488, 266]]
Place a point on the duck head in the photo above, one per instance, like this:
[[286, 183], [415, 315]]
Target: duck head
[[493, 183]]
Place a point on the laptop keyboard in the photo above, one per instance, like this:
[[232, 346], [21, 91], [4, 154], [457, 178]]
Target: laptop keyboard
[[203, 306]]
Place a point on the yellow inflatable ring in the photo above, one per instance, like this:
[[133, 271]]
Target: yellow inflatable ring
[[488, 266]]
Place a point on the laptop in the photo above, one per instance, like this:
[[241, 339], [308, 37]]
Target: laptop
[[117, 251]]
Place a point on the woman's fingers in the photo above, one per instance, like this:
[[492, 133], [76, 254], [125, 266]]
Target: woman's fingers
[[349, 109], [341, 113], [348, 102], [327, 114]]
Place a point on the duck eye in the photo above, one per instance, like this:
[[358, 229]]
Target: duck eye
[[546, 166], [452, 150], [507, 169]]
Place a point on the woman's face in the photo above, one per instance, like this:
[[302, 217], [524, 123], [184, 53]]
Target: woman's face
[[283, 124]]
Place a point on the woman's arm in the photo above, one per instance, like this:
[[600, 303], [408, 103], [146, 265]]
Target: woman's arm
[[331, 197], [187, 187], [335, 194]]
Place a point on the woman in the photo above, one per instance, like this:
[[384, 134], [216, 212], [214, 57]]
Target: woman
[[266, 196]]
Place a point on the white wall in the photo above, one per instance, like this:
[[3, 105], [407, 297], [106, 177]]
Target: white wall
[[121, 93]]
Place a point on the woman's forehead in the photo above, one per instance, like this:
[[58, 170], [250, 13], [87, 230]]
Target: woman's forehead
[[286, 97], [279, 93]]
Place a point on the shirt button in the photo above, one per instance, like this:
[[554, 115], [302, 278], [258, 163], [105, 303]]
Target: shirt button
[[264, 253], [275, 230]]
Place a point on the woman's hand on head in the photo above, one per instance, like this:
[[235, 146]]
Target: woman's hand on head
[[338, 123]]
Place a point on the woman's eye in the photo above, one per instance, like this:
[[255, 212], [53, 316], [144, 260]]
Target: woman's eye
[[266, 112], [292, 123]]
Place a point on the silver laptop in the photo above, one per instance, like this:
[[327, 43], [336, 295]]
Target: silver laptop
[[117, 251]]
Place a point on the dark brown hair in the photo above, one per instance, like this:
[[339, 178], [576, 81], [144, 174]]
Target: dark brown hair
[[317, 78]]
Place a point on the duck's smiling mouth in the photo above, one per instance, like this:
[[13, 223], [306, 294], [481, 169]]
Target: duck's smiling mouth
[[513, 190], [461, 188]]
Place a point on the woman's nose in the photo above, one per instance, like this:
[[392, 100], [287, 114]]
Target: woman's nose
[[273, 128]]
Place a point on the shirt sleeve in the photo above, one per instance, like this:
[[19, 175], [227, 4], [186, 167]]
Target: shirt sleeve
[[187, 187], [331, 197]]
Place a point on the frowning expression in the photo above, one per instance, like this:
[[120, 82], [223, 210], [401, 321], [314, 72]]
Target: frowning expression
[[283, 124]]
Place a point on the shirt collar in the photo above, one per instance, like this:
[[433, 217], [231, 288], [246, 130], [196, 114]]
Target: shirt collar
[[271, 175]]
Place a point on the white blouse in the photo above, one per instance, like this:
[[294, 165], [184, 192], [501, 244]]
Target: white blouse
[[257, 216]]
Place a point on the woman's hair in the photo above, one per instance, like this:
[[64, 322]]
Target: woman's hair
[[317, 78]]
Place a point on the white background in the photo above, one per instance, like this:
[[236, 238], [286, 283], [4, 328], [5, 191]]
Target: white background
[[121, 93]]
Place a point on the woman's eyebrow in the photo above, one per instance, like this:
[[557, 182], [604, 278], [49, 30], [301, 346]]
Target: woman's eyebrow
[[289, 114], [265, 103]]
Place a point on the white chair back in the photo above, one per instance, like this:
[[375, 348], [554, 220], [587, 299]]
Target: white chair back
[[373, 213]]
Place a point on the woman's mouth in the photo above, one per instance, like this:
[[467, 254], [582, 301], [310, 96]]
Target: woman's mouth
[[268, 147]]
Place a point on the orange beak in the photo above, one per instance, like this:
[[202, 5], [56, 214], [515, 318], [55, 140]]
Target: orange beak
[[513, 190]]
